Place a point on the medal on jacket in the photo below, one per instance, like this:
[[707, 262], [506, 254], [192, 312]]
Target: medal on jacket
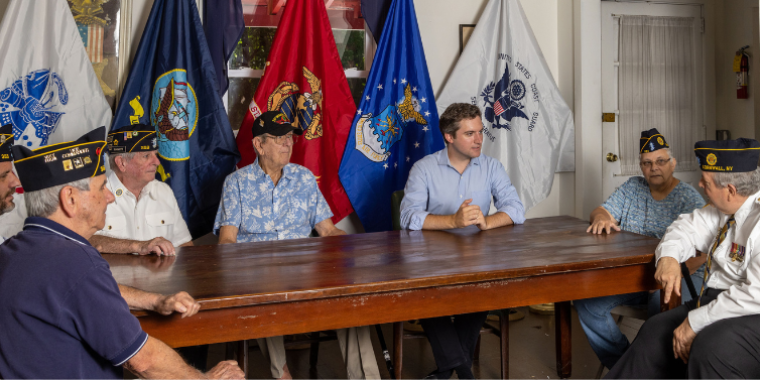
[[736, 253]]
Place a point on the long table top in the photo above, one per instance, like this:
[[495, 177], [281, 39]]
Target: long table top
[[248, 274]]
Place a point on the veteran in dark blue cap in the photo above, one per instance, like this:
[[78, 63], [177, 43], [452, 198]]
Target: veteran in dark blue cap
[[8, 180], [718, 334], [645, 205], [145, 217], [59, 299]]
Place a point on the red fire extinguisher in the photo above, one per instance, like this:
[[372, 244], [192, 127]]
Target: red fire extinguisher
[[741, 67]]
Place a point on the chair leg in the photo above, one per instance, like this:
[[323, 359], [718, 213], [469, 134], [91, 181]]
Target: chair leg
[[504, 343], [242, 354], [476, 354], [314, 352], [398, 353]]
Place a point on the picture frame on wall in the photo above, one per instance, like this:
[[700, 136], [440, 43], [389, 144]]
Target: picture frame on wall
[[105, 27], [465, 31]]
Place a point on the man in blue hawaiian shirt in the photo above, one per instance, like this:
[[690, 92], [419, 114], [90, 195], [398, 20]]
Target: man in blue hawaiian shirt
[[644, 205], [272, 199]]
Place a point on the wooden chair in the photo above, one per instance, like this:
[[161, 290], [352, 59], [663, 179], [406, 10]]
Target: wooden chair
[[398, 327]]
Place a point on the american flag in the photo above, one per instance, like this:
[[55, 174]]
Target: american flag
[[498, 107], [92, 36]]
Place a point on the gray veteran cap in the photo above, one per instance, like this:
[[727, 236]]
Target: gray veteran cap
[[58, 164]]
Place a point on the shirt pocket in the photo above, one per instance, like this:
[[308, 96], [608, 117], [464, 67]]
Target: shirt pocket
[[160, 219], [115, 225], [739, 266]]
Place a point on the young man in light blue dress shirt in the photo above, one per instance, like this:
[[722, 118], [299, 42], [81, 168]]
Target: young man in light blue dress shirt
[[272, 199], [452, 188]]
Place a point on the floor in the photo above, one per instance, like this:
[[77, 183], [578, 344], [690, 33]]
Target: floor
[[532, 354]]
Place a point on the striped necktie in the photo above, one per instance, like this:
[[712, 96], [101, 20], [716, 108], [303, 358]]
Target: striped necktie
[[718, 239]]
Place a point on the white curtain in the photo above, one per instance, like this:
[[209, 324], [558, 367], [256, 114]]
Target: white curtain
[[659, 87]]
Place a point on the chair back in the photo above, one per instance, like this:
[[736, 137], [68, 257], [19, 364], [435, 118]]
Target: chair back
[[396, 198]]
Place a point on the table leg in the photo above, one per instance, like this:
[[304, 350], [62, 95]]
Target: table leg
[[398, 352], [562, 336], [242, 354], [504, 327]]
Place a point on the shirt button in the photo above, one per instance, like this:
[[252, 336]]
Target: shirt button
[[162, 222], [109, 227], [460, 195], [138, 227]]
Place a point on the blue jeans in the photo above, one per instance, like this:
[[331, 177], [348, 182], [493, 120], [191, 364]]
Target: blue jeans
[[605, 337]]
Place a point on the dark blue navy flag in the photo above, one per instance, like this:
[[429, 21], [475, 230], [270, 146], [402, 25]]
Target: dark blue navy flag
[[171, 86], [224, 25], [396, 124], [375, 12]]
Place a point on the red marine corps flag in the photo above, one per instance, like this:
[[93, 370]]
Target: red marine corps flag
[[304, 79]]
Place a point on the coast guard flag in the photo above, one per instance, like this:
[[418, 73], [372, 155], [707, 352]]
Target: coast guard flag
[[171, 86], [48, 90], [304, 79], [527, 125], [396, 123]]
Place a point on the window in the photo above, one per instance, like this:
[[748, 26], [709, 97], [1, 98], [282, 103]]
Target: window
[[355, 47], [659, 81]]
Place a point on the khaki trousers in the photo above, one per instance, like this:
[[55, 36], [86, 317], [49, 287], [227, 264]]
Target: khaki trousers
[[355, 347]]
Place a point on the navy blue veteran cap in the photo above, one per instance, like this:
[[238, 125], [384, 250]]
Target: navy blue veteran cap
[[61, 163], [132, 138], [6, 142], [735, 156], [652, 140], [274, 123]]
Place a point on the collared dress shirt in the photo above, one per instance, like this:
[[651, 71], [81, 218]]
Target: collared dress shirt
[[62, 313], [435, 187], [739, 278], [155, 214], [263, 212]]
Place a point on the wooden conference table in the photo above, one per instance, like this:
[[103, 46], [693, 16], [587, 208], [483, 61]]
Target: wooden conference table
[[255, 290]]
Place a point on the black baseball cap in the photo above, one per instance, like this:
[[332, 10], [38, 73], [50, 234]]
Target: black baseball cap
[[274, 123]]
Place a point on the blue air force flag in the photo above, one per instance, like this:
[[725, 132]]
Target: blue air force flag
[[527, 124], [396, 124], [172, 86], [48, 89]]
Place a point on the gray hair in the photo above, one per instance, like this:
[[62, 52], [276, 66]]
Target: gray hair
[[746, 183], [112, 159], [667, 150], [45, 202]]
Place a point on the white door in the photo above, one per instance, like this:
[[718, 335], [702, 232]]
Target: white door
[[611, 177]]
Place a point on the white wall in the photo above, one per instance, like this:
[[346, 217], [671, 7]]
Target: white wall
[[734, 30]]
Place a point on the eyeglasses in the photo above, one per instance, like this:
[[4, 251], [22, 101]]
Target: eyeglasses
[[281, 140], [648, 164]]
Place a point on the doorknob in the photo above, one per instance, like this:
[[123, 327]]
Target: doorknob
[[612, 157]]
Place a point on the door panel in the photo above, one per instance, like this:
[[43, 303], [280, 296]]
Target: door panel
[[611, 177]]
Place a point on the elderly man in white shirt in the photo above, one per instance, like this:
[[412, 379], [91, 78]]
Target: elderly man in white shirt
[[718, 334], [8, 180], [145, 218]]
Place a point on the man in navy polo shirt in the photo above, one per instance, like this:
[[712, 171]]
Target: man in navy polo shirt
[[63, 314]]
